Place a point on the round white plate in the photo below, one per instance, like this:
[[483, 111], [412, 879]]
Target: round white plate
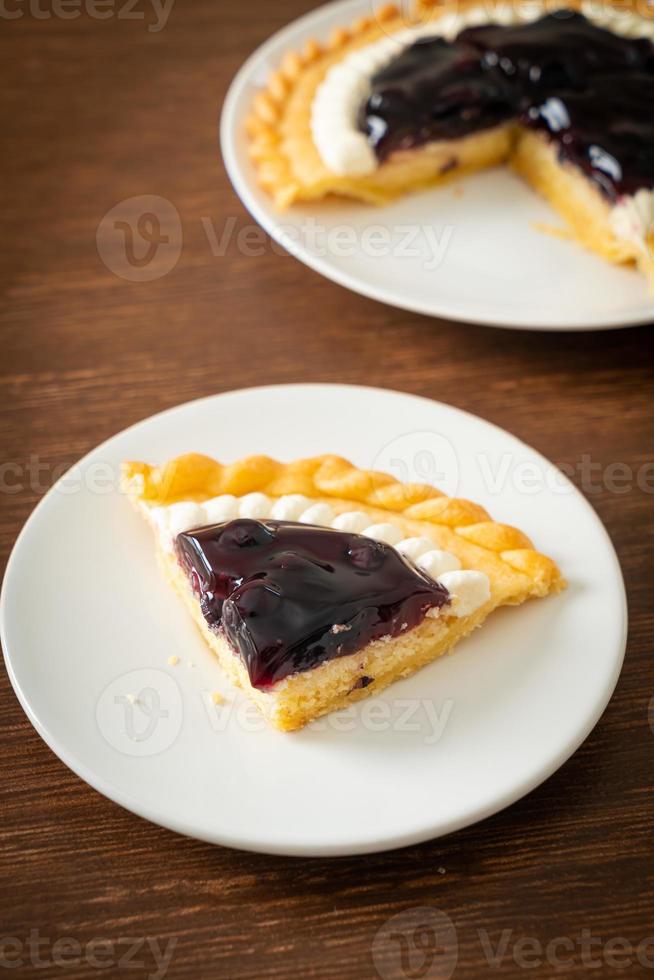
[[468, 251], [87, 622]]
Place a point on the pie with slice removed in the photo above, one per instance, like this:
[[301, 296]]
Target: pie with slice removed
[[562, 91], [317, 584]]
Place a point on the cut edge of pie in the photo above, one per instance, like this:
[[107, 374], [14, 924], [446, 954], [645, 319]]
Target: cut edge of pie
[[515, 570], [290, 168]]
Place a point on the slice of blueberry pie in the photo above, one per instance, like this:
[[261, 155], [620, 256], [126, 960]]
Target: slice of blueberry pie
[[316, 583], [563, 91]]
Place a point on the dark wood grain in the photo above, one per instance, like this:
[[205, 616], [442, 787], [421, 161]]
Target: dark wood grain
[[96, 111]]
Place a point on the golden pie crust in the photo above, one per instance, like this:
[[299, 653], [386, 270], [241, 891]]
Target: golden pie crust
[[291, 170], [515, 570]]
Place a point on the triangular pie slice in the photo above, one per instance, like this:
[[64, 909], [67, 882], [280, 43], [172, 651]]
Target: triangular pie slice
[[317, 584], [418, 95]]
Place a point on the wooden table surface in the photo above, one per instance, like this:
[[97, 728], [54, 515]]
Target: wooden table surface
[[96, 111]]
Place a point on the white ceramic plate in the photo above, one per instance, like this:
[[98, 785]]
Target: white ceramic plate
[[469, 251], [87, 620]]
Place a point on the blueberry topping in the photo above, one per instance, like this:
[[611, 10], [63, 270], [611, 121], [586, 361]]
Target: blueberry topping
[[289, 596], [591, 92]]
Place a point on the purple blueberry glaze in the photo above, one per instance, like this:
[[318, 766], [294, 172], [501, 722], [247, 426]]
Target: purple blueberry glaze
[[591, 92], [289, 597]]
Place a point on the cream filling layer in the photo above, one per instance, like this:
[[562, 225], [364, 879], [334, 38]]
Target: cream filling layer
[[468, 588], [345, 150]]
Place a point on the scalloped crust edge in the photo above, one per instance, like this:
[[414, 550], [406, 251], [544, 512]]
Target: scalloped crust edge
[[273, 172], [195, 476]]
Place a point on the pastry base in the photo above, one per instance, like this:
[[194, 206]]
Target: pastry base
[[432, 165], [575, 198]]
